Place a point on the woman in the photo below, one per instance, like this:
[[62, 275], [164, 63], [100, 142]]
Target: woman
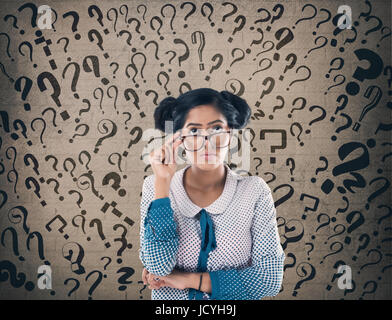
[[206, 232]]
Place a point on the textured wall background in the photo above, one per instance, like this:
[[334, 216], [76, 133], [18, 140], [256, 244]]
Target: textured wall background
[[76, 99]]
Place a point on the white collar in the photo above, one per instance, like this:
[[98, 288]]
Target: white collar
[[190, 209]]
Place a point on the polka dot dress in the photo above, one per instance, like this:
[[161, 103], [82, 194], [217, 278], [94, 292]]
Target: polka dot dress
[[247, 262]]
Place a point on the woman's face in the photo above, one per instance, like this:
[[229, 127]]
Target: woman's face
[[205, 120]]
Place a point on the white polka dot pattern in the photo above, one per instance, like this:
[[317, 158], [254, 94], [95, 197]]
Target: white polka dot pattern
[[160, 238], [247, 263]]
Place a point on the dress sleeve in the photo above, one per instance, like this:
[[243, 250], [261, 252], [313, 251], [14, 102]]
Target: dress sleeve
[[265, 275], [158, 232]]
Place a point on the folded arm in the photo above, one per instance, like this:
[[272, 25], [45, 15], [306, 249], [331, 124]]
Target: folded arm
[[265, 275], [158, 232]]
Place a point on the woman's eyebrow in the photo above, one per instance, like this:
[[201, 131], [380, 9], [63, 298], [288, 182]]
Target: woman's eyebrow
[[199, 124]]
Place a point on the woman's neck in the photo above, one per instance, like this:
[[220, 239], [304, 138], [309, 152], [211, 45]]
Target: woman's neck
[[205, 180]]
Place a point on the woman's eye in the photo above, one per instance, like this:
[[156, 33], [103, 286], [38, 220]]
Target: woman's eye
[[214, 129], [193, 132]]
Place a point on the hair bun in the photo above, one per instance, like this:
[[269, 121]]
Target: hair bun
[[240, 104], [164, 112]]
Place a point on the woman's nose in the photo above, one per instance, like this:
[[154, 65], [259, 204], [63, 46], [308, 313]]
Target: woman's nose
[[207, 144], [210, 147]]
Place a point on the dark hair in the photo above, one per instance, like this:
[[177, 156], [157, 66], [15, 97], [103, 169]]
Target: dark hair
[[235, 109]]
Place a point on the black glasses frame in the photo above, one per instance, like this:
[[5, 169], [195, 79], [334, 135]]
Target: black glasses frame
[[205, 138]]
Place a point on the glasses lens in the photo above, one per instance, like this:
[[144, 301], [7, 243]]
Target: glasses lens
[[193, 143], [220, 140]]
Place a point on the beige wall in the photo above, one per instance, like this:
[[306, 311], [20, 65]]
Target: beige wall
[[50, 128]]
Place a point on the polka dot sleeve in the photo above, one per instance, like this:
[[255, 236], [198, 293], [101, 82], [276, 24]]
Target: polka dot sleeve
[[265, 275], [158, 232]]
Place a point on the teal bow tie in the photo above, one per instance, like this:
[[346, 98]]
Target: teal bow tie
[[208, 243]]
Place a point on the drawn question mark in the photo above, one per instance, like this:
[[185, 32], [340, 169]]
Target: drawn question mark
[[306, 18], [374, 262], [319, 47], [81, 125], [74, 256], [374, 283], [128, 272], [300, 80], [77, 284], [292, 167], [8, 45], [53, 82], [311, 248], [14, 237], [115, 69], [311, 275], [321, 169], [98, 223], [193, 9], [96, 282], [211, 9], [259, 164], [14, 215], [202, 43], [358, 163], [338, 67], [26, 89], [242, 21], [17, 279], [365, 239], [102, 128], [75, 77], [30, 48], [115, 17], [74, 27], [14, 23], [320, 118], [123, 240], [172, 18], [144, 287], [109, 261], [37, 235], [219, 58], [340, 248], [383, 37]]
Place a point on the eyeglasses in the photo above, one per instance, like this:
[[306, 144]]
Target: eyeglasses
[[196, 142]]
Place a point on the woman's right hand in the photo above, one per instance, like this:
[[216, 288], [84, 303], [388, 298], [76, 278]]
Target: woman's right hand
[[150, 280], [163, 159]]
